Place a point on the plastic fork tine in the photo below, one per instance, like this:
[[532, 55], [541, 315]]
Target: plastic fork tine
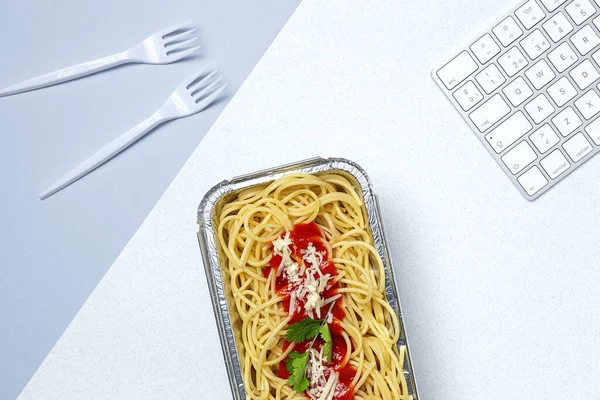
[[182, 45], [210, 98], [173, 28], [202, 81], [182, 54], [190, 80], [199, 93], [180, 36]]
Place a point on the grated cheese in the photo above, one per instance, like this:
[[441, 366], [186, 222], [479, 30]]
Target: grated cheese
[[282, 242], [311, 256], [292, 304], [309, 280], [323, 280], [281, 246], [331, 299], [316, 372], [292, 272], [320, 387], [331, 386]]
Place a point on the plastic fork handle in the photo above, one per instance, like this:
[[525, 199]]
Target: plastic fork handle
[[106, 153], [66, 74]]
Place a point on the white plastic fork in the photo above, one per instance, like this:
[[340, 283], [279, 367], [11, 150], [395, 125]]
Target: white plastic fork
[[164, 47], [191, 97]]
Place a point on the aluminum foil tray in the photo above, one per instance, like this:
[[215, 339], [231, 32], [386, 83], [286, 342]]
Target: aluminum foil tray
[[224, 308]]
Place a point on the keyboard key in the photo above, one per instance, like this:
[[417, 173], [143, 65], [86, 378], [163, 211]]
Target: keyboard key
[[593, 130], [562, 91], [512, 61], [580, 11], [552, 5], [507, 31], [489, 113], [567, 121], [588, 104], [540, 74], [563, 57], [535, 44], [584, 74], [557, 27], [485, 48], [519, 157], [530, 14], [555, 164], [578, 147], [517, 91], [533, 180], [539, 109], [468, 95], [490, 78], [457, 70], [597, 19], [596, 57], [585, 40], [544, 138], [508, 132]]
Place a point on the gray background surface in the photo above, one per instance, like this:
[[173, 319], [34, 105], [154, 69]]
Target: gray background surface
[[53, 253]]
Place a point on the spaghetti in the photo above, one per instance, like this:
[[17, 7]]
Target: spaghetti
[[300, 259]]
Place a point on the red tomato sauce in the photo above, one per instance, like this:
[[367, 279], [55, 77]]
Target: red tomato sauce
[[301, 236]]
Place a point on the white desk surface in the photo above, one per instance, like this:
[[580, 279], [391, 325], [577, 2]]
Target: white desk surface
[[500, 295]]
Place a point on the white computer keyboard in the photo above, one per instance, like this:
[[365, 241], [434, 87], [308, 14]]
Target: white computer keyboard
[[528, 85]]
